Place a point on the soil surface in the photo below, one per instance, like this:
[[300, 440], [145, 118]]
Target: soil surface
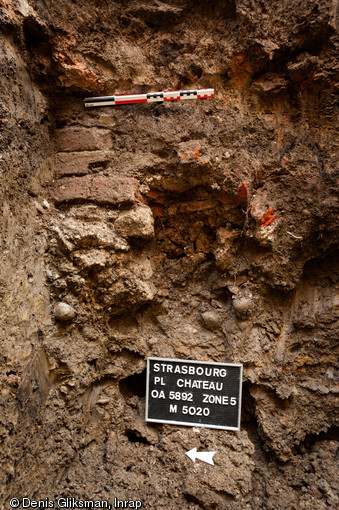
[[203, 230]]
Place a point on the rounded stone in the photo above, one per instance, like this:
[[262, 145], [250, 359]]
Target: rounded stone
[[137, 222], [242, 306], [64, 312], [211, 320]]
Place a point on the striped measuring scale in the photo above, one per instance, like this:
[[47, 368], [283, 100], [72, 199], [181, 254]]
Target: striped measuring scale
[[150, 97]]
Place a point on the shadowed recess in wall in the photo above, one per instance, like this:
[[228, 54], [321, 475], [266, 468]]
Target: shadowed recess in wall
[[134, 385]]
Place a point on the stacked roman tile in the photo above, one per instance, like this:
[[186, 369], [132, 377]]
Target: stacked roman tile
[[99, 214], [82, 152]]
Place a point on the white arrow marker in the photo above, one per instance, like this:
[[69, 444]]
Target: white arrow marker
[[204, 456]]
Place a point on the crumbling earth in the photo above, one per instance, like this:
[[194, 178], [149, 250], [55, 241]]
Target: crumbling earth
[[202, 230]]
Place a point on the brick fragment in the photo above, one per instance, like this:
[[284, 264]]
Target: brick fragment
[[268, 217], [101, 190], [156, 196], [83, 139], [197, 205], [113, 190], [158, 210], [242, 191], [80, 163], [72, 189]]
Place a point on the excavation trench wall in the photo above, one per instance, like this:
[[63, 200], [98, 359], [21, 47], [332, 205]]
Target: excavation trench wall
[[200, 230]]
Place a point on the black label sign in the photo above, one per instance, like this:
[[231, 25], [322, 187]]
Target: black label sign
[[187, 392]]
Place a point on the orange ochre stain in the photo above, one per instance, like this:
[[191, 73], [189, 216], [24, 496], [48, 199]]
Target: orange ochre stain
[[197, 152], [268, 217]]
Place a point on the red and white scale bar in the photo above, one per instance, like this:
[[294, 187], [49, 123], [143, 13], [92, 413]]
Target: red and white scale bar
[[151, 97]]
